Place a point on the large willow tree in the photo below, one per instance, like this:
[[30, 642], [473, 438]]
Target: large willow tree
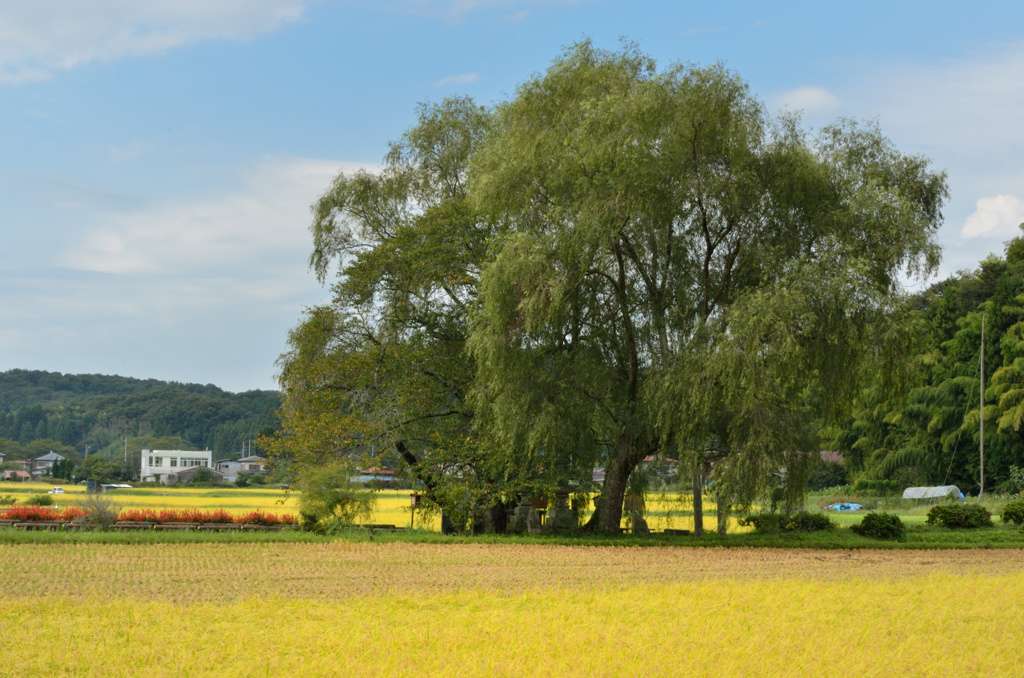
[[678, 271], [380, 374]]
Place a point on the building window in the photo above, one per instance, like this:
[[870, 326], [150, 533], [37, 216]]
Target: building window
[[158, 461], [174, 461]]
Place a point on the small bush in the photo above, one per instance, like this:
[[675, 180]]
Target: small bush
[[960, 516], [1014, 512], [328, 497], [774, 523], [875, 487], [100, 512], [8, 500], [880, 526], [39, 500]]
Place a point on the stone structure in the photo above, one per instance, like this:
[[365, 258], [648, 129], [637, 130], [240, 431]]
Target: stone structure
[[561, 518]]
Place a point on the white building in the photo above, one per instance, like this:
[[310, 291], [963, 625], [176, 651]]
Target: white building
[[159, 465]]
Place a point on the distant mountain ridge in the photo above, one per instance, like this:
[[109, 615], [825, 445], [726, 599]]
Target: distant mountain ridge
[[98, 410], [20, 388]]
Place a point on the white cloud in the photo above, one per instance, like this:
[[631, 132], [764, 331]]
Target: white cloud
[[41, 36], [812, 100], [958, 103], [261, 225], [964, 114], [996, 217], [462, 79]]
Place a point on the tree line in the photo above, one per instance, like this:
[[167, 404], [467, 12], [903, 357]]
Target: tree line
[[617, 262], [99, 411], [930, 433]]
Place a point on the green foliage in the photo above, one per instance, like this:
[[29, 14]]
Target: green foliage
[[801, 521], [881, 526], [330, 500], [654, 289], [101, 512], [203, 476], [1015, 481], [380, 376], [931, 434], [63, 469], [616, 262], [881, 488], [828, 474], [960, 515], [39, 500], [8, 500], [1014, 512], [102, 470]]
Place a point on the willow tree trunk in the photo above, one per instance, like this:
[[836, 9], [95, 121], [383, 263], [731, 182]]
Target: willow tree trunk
[[698, 502], [629, 452], [609, 510], [722, 502]]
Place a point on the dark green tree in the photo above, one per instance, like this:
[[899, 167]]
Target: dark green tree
[[681, 272]]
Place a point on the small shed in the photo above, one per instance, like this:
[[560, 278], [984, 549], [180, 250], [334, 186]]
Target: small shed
[[937, 492]]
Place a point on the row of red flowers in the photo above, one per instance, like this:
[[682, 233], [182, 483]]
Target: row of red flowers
[[41, 513], [200, 516]]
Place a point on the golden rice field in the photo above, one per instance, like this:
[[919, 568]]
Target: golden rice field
[[663, 511], [343, 609]]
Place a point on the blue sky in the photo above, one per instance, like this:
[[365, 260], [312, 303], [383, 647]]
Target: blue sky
[[157, 159]]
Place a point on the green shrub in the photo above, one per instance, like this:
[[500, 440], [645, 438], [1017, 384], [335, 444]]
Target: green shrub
[[960, 515], [8, 500], [828, 474], [39, 500], [330, 499], [774, 523], [100, 512], [875, 487], [880, 526], [1014, 512]]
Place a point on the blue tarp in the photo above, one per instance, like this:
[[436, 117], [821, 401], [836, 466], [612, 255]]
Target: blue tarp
[[844, 507]]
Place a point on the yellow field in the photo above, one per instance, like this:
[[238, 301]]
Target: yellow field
[[341, 609], [664, 511]]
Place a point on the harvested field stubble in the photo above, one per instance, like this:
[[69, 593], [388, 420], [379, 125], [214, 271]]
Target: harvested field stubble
[[218, 572]]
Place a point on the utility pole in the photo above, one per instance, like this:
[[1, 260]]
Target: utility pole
[[981, 413]]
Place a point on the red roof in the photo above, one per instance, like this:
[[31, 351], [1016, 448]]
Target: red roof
[[378, 471]]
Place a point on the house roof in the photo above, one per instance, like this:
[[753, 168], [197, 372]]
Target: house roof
[[50, 456], [253, 457], [16, 474]]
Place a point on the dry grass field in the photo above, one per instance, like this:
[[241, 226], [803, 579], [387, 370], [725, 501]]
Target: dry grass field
[[343, 609]]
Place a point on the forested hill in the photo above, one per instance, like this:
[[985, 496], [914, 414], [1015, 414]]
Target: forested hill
[[76, 410]]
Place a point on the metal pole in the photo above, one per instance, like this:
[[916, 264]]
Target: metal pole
[[981, 413]]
